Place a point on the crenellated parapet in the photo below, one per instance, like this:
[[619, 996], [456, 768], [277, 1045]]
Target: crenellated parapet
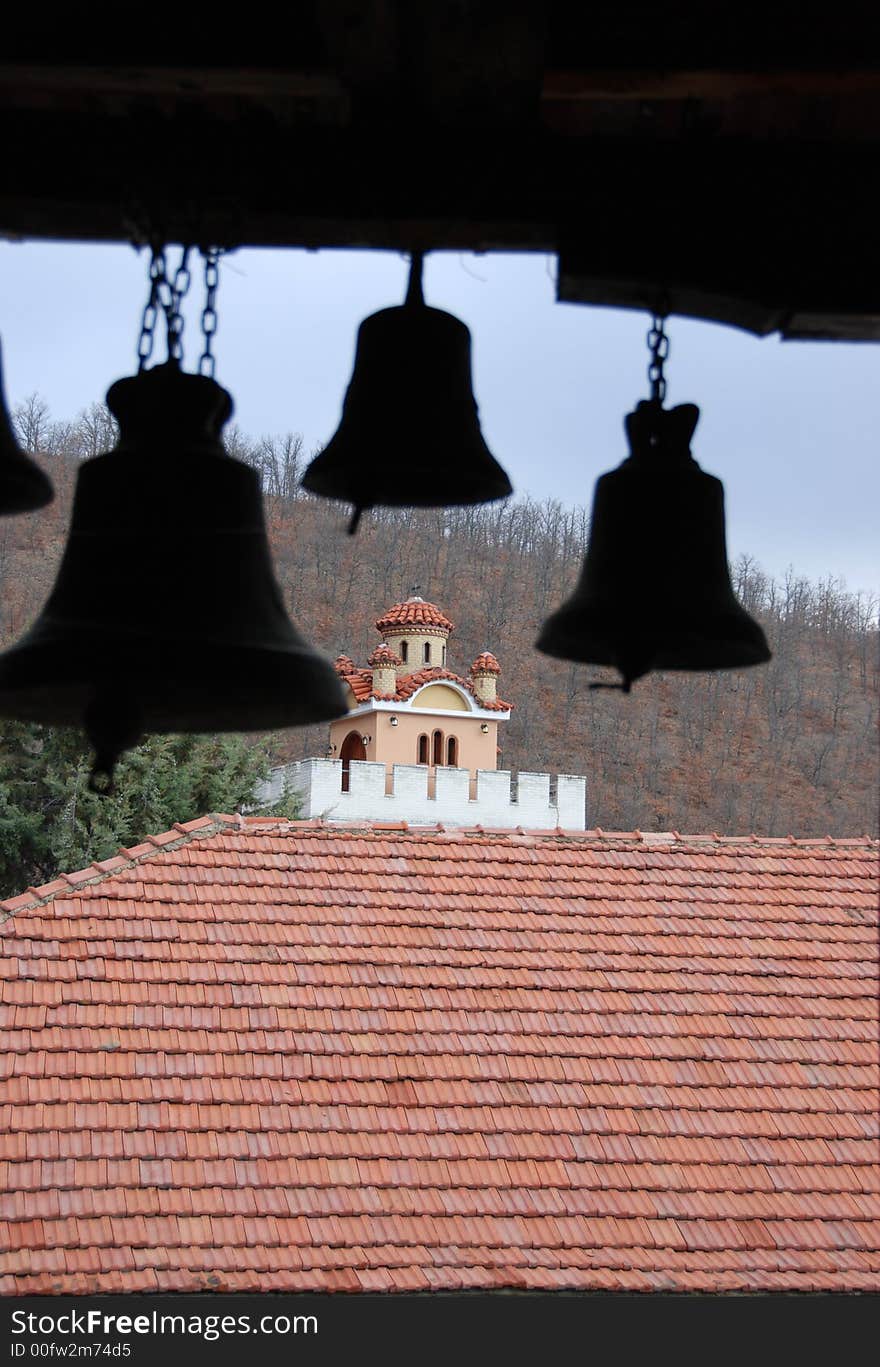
[[416, 794]]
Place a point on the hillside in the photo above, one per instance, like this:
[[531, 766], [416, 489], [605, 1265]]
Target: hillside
[[788, 748]]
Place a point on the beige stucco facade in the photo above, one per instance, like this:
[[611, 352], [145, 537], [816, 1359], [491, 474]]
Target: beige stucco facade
[[405, 734]]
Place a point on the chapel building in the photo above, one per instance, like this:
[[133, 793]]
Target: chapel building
[[421, 743], [408, 707]]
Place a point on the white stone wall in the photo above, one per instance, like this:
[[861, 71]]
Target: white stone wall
[[537, 807]]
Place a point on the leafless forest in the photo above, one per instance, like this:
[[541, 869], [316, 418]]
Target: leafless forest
[[788, 748]]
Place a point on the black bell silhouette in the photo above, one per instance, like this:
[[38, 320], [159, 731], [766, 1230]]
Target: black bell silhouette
[[655, 590], [165, 614], [23, 485], [409, 435]]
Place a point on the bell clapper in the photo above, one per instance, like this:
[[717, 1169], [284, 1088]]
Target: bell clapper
[[113, 725], [355, 520], [101, 777]]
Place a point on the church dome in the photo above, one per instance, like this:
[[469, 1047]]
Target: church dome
[[414, 612]]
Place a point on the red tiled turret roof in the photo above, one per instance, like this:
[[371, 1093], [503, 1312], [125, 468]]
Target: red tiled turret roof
[[415, 612], [485, 664], [383, 655], [360, 681], [260, 1056]]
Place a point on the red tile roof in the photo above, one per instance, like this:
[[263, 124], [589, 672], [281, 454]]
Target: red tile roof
[[415, 612], [383, 655], [272, 1056], [360, 681], [485, 664], [408, 684]]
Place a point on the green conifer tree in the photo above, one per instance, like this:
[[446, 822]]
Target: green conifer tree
[[50, 822]]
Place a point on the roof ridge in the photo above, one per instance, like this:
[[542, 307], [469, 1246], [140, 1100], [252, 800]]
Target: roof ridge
[[181, 833], [634, 837]]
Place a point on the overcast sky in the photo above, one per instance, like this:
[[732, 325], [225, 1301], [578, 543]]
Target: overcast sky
[[790, 427]]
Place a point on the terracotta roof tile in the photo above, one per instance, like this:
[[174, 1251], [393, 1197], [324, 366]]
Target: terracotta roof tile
[[383, 655], [414, 612], [263, 1055], [360, 681], [408, 684]]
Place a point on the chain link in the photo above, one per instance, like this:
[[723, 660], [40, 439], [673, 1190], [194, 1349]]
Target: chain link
[[173, 315], [167, 296], [209, 312], [152, 306], [658, 345]]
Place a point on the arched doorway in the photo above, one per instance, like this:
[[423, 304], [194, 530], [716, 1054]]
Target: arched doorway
[[352, 748]]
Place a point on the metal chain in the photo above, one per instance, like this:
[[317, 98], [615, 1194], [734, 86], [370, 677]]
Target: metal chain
[[152, 306], [168, 296], [209, 312], [658, 345], [173, 315]]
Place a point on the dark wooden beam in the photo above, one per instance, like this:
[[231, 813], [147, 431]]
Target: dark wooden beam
[[708, 84]]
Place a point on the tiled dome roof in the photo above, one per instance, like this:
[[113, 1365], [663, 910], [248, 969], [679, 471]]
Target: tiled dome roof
[[485, 664], [343, 664], [415, 612], [384, 655]]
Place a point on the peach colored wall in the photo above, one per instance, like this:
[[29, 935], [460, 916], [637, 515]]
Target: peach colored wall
[[365, 726], [399, 744]]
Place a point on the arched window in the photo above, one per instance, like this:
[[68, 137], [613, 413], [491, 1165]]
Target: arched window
[[404, 650], [443, 656], [427, 652], [352, 748], [452, 751], [423, 750], [437, 756]]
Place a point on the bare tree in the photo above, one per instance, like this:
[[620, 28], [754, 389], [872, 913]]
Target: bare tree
[[32, 424]]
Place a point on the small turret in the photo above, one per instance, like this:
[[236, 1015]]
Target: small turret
[[484, 671], [384, 664]]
